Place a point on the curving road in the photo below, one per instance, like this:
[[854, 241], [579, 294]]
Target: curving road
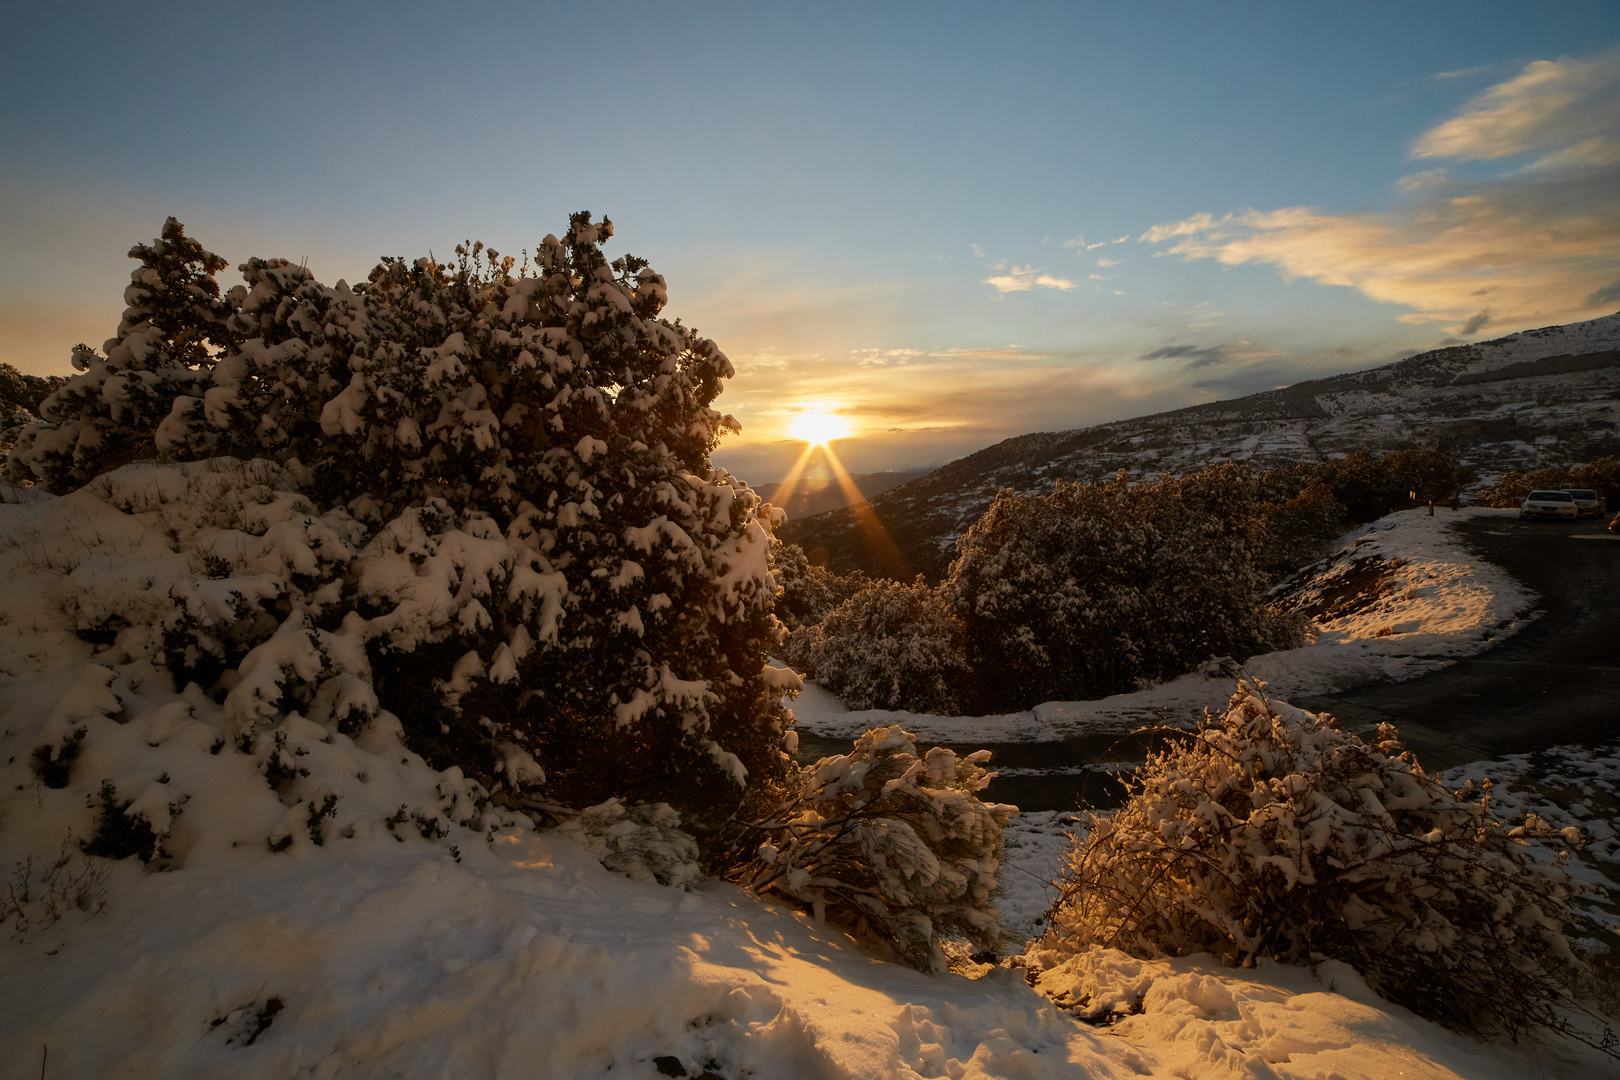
[[1556, 681]]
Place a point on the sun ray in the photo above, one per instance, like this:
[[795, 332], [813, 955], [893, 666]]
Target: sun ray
[[784, 490], [877, 537]]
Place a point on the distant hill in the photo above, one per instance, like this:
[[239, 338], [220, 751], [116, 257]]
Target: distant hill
[[1539, 397], [818, 495]]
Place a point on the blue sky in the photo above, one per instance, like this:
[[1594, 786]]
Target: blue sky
[[907, 213]]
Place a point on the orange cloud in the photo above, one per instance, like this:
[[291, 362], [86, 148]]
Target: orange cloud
[[1539, 245], [1551, 105]]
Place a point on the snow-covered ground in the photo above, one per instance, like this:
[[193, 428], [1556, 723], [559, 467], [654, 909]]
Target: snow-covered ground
[[527, 959], [1434, 603], [313, 904]]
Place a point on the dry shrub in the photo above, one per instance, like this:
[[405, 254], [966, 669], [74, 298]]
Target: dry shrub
[[1269, 832], [41, 892]]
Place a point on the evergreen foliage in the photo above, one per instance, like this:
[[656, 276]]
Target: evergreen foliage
[[25, 393], [1370, 486], [644, 842], [810, 592], [172, 328], [1094, 588], [1271, 833], [896, 848], [890, 646], [1300, 519], [20, 399], [493, 492]]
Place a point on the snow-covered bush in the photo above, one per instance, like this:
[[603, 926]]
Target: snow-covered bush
[[20, 399], [1270, 833], [108, 414], [890, 646], [896, 849], [1095, 588], [642, 841], [483, 503], [810, 592]]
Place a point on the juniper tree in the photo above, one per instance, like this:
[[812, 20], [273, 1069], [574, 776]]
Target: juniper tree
[[172, 328], [1093, 588], [549, 561]]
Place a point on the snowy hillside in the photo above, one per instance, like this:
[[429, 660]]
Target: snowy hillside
[[188, 896], [1539, 397]]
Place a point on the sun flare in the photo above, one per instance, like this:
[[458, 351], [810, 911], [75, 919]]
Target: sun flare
[[818, 428]]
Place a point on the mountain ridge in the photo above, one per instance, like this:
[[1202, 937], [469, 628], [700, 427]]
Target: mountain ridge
[[1541, 396]]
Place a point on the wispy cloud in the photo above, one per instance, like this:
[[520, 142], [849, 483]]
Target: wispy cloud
[[1204, 356], [1428, 178], [1537, 245], [1012, 352], [1589, 153], [884, 357], [1607, 296], [1106, 263], [899, 357], [1552, 105], [1078, 243], [1202, 316], [1462, 72], [1193, 354], [1198, 223], [1025, 278]]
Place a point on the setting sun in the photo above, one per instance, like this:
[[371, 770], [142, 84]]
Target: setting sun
[[818, 428]]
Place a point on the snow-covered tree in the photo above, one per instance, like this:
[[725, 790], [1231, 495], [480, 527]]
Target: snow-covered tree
[[1269, 832], [511, 469], [896, 848], [1094, 588], [890, 646], [20, 399], [810, 592], [171, 330]]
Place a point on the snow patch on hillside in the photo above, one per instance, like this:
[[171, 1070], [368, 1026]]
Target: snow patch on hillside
[[1573, 338]]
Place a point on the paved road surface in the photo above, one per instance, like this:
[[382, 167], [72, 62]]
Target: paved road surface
[[1556, 681]]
